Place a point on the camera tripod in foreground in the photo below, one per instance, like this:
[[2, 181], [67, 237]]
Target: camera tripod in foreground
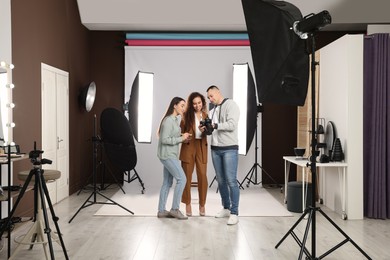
[[40, 227]]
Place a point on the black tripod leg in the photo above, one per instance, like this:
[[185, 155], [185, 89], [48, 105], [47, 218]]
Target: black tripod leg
[[47, 230], [291, 230], [78, 193], [82, 206], [303, 248], [113, 176], [55, 218], [22, 191], [140, 181], [348, 239], [116, 181], [269, 176], [113, 202], [250, 174]]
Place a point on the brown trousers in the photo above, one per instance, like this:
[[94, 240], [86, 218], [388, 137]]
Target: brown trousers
[[201, 173]]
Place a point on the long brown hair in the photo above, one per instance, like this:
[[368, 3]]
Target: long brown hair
[[171, 107], [189, 114]]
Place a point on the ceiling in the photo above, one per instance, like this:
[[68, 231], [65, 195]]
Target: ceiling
[[217, 15]]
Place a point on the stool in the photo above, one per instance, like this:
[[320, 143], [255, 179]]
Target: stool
[[38, 233], [294, 196]]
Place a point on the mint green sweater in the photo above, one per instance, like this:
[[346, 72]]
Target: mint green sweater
[[170, 138]]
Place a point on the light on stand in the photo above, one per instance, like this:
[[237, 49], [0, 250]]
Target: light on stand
[[311, 23], [244, 94], [87, 96], [140, 107]]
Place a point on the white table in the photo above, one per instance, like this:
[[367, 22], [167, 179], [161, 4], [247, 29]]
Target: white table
[[304, 163]]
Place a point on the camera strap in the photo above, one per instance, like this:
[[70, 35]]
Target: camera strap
[[215, 109], [220, 107]]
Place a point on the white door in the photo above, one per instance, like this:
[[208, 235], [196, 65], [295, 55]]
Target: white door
[[55, 128]]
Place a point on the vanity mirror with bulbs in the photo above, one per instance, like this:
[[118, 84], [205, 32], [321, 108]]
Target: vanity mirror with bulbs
[[6, 104]]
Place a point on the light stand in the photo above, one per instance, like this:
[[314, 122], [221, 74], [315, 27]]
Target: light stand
[[96, 140], [311, 210], [96, 191], [253, 170]]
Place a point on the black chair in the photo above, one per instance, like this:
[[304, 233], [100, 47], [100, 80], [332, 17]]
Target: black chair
[[118, 143]]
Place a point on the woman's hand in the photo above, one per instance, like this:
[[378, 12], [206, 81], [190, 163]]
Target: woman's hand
[[186, 137]]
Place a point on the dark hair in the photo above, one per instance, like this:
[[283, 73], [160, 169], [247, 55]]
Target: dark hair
[[171, 107], [189, 114], [212, 87]]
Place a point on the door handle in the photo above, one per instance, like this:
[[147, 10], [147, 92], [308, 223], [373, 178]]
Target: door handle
[[58, 142]]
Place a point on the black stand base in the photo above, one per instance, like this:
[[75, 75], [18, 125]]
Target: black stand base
[[311, 212], [134, 177], [253, 171], [102, 186], [89, 202]]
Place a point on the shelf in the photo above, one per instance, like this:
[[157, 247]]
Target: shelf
[[14, 194]]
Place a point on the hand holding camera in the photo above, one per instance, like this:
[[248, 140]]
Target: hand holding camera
[[207, 126]]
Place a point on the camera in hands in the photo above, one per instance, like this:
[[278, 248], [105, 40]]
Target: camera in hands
[[208, 126]]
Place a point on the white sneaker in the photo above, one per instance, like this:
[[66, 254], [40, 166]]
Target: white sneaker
[[233, 220], [223, 213]]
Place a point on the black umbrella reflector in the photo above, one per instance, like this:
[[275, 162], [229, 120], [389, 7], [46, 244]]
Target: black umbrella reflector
[[279, 56], [118, 139]]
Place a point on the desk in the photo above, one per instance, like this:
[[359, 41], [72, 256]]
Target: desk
[[304, 163], [7, 160]]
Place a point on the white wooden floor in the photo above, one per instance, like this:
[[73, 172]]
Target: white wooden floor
[[92, 237]]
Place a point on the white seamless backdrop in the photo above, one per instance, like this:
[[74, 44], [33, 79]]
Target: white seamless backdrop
[[178, 71]]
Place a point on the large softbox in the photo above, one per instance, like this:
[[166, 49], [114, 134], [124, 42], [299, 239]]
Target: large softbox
[[279, 56]]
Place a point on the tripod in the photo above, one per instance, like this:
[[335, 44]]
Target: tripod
[[311, 210], [95, 190], [41, 193], [100, 163], [253, 170], [134, 177]]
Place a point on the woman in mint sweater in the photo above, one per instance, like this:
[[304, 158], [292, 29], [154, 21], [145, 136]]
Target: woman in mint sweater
[[170, 137]]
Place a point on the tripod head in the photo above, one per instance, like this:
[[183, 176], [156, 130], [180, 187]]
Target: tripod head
[[34, 157]]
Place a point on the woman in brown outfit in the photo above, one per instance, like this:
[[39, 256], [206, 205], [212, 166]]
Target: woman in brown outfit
[[194, 152]]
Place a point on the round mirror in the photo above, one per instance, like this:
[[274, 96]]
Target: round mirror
[[330, 136], [87, 96]]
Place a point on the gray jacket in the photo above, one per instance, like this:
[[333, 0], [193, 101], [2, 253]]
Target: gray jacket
[[226, 116], [170, 138]]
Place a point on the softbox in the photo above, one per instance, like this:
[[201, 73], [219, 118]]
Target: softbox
[[118, 139], [279, 56]]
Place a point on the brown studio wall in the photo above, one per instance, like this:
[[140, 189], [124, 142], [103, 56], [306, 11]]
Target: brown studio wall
[[279, 139], [49, 32]]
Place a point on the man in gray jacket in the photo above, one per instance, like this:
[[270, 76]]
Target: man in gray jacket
[[224, 151]]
